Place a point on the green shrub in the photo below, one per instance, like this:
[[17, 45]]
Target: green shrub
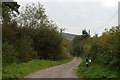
[[9, 53], [26, 51], [96, 71]]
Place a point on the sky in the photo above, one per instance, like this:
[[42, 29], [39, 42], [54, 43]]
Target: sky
[[76, 15]]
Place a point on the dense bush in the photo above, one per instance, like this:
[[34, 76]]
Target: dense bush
[[79, 41], [9, 53], [26, 52], [103, 49], [67, 47], [47, 43], [31, 35]]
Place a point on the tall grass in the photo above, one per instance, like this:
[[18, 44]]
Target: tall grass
[[20, 70], [96, 71]]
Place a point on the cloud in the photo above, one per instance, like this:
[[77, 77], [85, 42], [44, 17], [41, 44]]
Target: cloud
[[110, 3]]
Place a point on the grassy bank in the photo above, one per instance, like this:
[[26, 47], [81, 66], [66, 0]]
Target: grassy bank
[[20, 70], [95, 71]]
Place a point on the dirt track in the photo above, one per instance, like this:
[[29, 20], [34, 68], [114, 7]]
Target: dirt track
[[66, 70]]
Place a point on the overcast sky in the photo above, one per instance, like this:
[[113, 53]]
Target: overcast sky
[[74, 15]]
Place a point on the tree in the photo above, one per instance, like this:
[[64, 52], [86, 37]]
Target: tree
[[33, 16], [10, 32], [8, 9], [47, 43], [10, 54], [85, 35], [67, 48], [76, 39], [78, 42]]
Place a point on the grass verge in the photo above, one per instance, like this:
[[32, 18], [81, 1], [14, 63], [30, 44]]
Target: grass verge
[[95, 71], [20, 70]]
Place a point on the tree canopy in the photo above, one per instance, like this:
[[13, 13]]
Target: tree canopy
[[103, 49], [31, 35]]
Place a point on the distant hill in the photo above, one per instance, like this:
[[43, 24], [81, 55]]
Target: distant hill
[[69, 36]]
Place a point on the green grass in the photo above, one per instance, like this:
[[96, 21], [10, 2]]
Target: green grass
[[20, 70], [95, 71]]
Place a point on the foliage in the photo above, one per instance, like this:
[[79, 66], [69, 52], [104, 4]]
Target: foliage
[[102, 49], [96, 71], [104, 52], [67, 48], [78, 42], [85, 35], [46, 39], [76, 39], [31, 35], [33, 16], [67, 44], [9, 50], [9, 32], [47, 43], [9, 9], [109, 43], [26, 52]]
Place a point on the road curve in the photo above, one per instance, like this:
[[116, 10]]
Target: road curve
[[66, 70]]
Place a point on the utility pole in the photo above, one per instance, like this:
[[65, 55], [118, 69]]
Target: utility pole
[[119, 13]]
